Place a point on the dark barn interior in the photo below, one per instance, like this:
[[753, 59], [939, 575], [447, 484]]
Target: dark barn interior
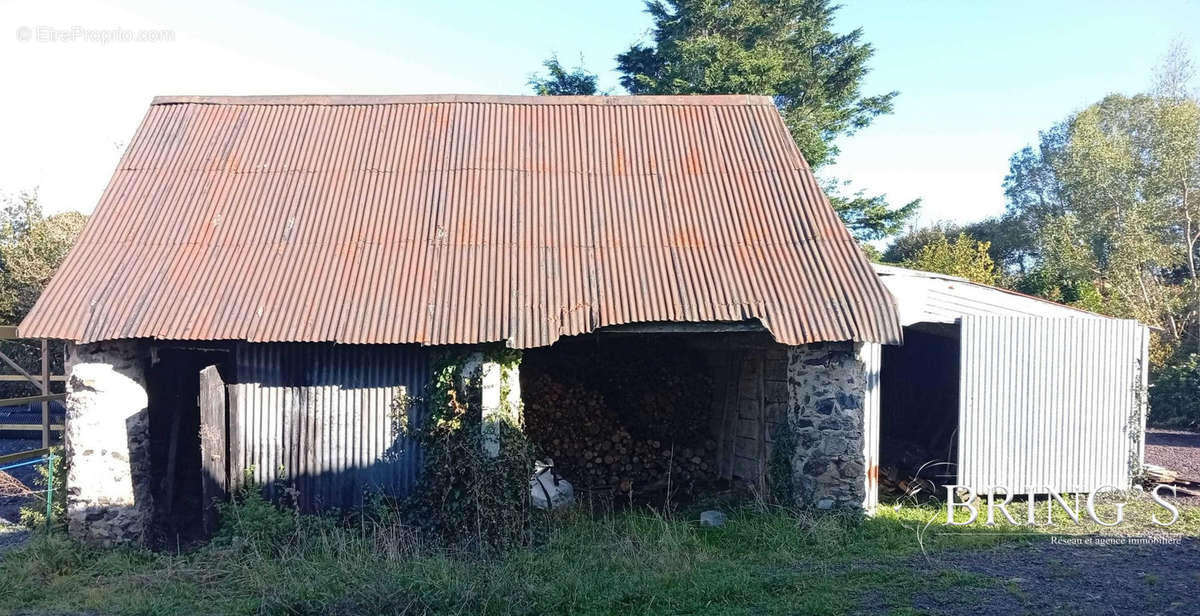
[[313, 425], [622, 416], [919, 384], [640, 417], [627, 417], [173, 392]]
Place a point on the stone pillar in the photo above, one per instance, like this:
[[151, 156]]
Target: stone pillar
[[107, 443], [826, 399]]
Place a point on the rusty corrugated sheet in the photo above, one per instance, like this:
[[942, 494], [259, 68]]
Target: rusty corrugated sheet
[[460, 219], [319, 418]]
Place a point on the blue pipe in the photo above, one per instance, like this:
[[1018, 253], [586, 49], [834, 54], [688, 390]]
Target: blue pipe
[[25, 463]]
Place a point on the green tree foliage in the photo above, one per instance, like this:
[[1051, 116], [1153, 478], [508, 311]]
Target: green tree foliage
[[784, 49], [1173, 400], [32, 246], [560, 81], [1110, 202], [1008, 244], [1117, 209], [1006, 237], [962, 256], [904, 247], [870, 218]]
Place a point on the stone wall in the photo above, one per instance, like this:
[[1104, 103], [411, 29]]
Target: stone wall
[[791, 421], [826, 411], [107, 442]]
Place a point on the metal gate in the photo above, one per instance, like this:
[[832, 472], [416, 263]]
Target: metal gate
[[1051, 404]]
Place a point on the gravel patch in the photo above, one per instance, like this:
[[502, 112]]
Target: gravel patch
[[1050, 578], [1176, 450]]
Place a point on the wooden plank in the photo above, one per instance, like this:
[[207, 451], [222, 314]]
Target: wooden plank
[[23, 455], [8, 332], [15, 366], [54, 378], [19, 427], [761, 479], [213, 443], [45, 386], [31, 399], [235, 453], [678, 327]]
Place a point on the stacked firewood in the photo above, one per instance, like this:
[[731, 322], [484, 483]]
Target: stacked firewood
[[593, 449], [896, 483]]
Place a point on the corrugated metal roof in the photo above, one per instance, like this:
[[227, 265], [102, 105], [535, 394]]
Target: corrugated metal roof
[[460, 219], [927, 297]]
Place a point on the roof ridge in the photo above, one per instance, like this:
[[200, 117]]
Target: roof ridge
[[503, 99]]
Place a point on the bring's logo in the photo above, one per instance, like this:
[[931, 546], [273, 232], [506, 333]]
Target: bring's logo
[[1000, 499]]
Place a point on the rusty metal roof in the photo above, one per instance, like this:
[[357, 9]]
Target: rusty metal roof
[[460, 219]]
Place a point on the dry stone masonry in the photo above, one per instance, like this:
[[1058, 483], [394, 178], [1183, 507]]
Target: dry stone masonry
[[107, 444], [826, 409]]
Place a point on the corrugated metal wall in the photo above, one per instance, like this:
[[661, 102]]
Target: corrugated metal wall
[[320, 417], [936, 298], [1050, 404], [871, 356]]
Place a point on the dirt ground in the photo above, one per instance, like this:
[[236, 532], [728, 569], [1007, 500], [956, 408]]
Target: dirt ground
[[1057, 578], [1062, 577], [12, 534]]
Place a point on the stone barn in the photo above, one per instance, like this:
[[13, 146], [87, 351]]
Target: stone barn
[[264, 276]]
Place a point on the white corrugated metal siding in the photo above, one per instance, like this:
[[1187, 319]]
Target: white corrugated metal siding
[[925, 297], [871, 355], [1050, 404]]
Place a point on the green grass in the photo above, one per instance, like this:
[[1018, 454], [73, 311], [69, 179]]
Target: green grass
[[764, 560]]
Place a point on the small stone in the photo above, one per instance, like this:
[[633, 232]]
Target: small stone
[[834, 445], [816, 467], [825, 503], [713, 518]]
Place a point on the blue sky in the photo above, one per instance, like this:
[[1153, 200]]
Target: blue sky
[[977, 80]]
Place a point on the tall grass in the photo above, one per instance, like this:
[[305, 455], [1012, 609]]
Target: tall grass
[[270, 561]]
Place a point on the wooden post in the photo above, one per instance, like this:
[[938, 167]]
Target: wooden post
[[45, 392], [49, 487], [214, 445]]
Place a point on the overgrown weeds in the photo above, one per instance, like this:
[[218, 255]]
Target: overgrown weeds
[[33, 514], [268, 560], [474, 486]]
